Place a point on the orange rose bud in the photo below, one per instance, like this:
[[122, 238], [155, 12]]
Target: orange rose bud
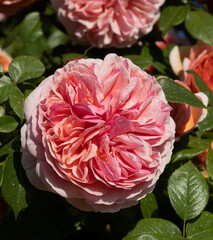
[[5, 60]]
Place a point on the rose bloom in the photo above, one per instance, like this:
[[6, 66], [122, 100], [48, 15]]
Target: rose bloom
[[107, 23], [187, 117], [198, 58], [10, 7], [97, 132], [5, 60]]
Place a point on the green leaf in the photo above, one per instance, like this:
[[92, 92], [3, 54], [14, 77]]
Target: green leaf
[[30, 29], [1, 69], [149, 206], [13, 192], [5, 87], [2, 111], [186, 154], [7, 124], [202, 86], [25, 67], [209, 162], [56, 39], [207, 123], [140, 61], [154, 229], [200, 25], [197, 142], [188, 191], [2, 165], [12, 146], [172, 16], [16, 100], [71, 56], [176, 93], [201, 229]]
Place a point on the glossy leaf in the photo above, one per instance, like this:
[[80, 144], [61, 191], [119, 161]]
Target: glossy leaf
[[207, 123], [176, 93], [71, 56], [202, 86], [172, 16], [7, 124], [25, 67], [1, 70], [202, 229], [2, 165], [30, 29], [197, 142], [5, 87], [56, 39], [2, 111], [187, 154], [140, 61], [13, 192], [200, 25], [12, 146], [209, 162], [154, 229], [188, 191], [149, 206], [16, 100]]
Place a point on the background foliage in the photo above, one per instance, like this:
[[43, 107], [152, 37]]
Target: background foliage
[[181, 206]]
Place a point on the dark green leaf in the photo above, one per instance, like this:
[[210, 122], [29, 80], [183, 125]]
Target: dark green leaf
[[202, 86], [160, 67], [56, 39], [2, 111], [7, 124], [176, 93], [200, 25], [25, 67], [172, 16], [140, 61], [2, 165], [5, 87], [13, 192], [149, 206], [207, 123], [16, 100], [12, 146], [154, 229], [187, 154], [209, 162], [30, 29], [188, 191], [71, 56], [202, 229], [1, 70], [196, 142]]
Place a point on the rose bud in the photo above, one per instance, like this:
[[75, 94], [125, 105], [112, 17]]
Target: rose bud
[[107, 23], [98, 133], [185, 116], [5, 60], [198, 58]]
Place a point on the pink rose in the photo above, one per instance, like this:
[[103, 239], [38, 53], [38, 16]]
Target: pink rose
[[107, 23], [5, 60], [10, 7], [198, 58], [187, 117], [97, 132]]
